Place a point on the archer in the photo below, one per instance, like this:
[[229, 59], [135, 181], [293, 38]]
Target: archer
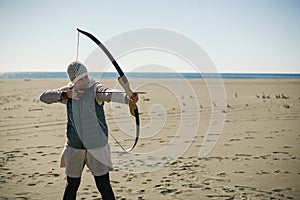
[[87, 131]]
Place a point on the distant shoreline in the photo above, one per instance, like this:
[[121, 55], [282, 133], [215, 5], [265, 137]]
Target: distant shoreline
[[108, 75]]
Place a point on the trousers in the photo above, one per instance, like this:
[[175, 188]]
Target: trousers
[[102, 183]]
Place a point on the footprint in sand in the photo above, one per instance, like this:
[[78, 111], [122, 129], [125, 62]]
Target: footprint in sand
[[228, 190], [280, 152], [168, 191], [50, 174], [287, 147], [50, 183], [262, 172], [31, 184], [217, 196], [221, 174], [193, 185], [239, 172], [234, 139], [207, 181]]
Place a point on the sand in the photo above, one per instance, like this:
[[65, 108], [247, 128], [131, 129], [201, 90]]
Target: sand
[[257, 154]]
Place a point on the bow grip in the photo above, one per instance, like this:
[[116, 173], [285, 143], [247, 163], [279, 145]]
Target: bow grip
[[125, 84]]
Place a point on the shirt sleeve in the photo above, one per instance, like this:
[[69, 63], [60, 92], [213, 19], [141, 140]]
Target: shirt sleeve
[[107, 94], [53, 96]]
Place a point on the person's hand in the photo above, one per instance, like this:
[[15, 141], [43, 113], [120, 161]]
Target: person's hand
[[134, 99], [73, 93], [132, 103]]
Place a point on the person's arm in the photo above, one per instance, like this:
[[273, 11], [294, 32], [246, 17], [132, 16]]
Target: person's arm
[[55, 96], [106, 94]]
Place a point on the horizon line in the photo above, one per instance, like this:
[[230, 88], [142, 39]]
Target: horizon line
[[231, 72]]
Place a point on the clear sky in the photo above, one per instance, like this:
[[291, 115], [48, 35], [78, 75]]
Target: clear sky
[[239, 36]]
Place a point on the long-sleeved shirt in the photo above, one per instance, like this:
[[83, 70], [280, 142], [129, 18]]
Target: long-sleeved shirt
[[86, 126], [102, 93]]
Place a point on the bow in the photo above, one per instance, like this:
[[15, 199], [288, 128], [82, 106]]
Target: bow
[[123, 82]]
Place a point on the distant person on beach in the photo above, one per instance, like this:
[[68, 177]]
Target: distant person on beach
[[87, 131]]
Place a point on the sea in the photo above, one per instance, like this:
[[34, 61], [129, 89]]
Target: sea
[[110, 75]]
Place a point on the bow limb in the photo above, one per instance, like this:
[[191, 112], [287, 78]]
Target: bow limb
[[137, 124], [123, 82]]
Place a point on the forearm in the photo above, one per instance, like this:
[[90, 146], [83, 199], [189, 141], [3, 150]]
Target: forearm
[[118, 96], [51, 96], [54, 96], [113, 95]]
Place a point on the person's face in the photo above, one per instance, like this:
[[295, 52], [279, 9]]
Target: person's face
[[82, 83]]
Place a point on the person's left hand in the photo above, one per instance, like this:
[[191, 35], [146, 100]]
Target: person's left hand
[[132, 103], [134, 98]]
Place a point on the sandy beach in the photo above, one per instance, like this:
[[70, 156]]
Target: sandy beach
[[257, 155]]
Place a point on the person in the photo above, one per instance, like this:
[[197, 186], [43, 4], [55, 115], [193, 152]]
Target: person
[[87, 131]]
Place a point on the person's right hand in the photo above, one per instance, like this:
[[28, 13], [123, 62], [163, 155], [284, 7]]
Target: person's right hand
[[73, 93]]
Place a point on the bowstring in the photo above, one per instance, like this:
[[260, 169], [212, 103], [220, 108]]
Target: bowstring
[[77, 51], [100, 122]]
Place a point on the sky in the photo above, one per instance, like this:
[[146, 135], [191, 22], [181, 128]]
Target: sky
[[239, 36]]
